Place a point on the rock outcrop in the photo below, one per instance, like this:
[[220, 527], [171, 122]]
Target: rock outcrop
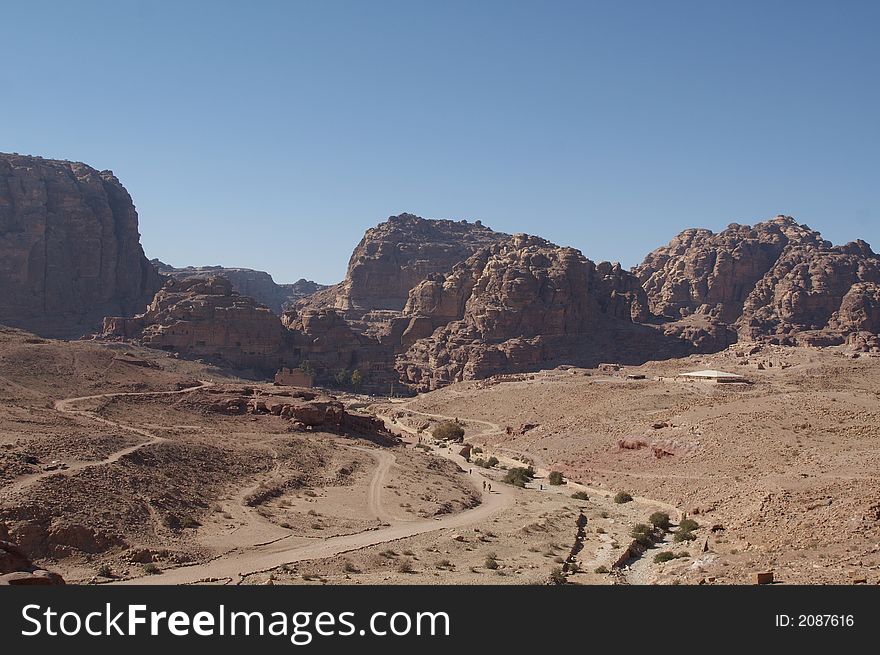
[[394, 257], [206, 318], [70, 251], [520, 305], [17, 569], [778, 281], [259, 285]]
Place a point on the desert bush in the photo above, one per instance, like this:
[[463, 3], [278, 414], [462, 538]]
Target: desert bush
[[492, 461], [643, 534], [557, 577], [580, 495], [519, 476], [348, 567], [665, 556], [660, 520], [105, 571], [405, 565], [601, 569], [684, 535], [444, 564], [477, 449], [357, 379], [448, 431], [555, 478], [622, 497], [479, 461], [152, 569], [491, 563], [688, 525]]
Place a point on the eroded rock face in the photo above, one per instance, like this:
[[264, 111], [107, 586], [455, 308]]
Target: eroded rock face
[[777, 280], [519, 305], [258, 285], [206, 318], [17, 569], [70, 251], [396, 255], [307, 410]]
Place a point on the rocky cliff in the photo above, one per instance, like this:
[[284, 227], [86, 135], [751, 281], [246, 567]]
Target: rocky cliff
[[259, 285], [70, 250], [396, 255], [521, 305], [778, 280], [207, 319]]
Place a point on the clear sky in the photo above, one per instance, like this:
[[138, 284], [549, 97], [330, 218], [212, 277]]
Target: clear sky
[[272, 134]]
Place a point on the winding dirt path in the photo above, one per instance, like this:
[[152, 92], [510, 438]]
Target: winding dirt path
[[540, 469], [236, 565], [65, 406]]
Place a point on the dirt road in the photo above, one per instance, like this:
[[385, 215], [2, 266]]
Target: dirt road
[[65, 406]]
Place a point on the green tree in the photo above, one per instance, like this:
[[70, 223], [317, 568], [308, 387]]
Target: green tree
[[660, 520], [448, 431], [343, 377], [356, 379], [306, 367], [555, 478]]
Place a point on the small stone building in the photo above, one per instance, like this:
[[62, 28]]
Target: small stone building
[[294, 377]]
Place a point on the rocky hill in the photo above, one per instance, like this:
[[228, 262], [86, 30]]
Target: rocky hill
[[778, 281], [259, 285], [426, 303], [70, 250], [522, 305], [394, 257], [205, 318]]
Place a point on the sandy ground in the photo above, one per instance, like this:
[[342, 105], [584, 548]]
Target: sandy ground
[[112, 471]]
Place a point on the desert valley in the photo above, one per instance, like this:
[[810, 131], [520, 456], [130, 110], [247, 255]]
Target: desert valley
[[465, 407]]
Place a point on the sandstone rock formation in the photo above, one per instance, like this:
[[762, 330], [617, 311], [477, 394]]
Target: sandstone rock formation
[[307, 410], [778, 280], [520, 305], [17, 569], [395, 256], [70, 250], [259, 285], [204, 317]]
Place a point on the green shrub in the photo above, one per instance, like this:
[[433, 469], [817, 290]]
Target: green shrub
[[660, 520], [491, 563], [477, 449], [519, 476], [492, 461], [448, 431], [622, 497], [557, 577], [684, 535], [479, 461], [152, 569], [405, 565], [665, 556], [357, 380], [105, 571], [580, 495], [601, 569], [688, 525], [643, 534], [555, 478], [342, 378]]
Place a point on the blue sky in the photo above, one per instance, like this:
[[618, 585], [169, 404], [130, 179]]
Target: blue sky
[[272, 134]]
